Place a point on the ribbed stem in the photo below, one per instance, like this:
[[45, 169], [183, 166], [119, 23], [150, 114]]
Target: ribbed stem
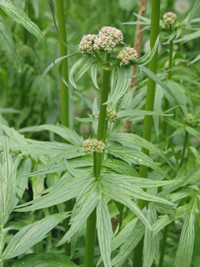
[[64, 91], [98, 158], [102, 124], [63, 52], [90, 240], [163, 245], [155, 16], [186, 140]]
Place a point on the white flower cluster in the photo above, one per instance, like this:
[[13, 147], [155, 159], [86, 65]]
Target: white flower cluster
[[111, 115], [108, 38], [127, 55], [87, 42], [93, 145], [169, 18]]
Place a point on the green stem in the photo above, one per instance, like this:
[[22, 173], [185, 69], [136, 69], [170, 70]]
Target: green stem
[[184, 148], [163, 245], [98, 158], [63, 52], [102, 124], [64, 91], [166, 102], [155, 17], [90, 240]]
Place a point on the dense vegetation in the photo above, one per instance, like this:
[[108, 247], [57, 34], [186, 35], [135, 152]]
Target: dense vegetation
[[99, 141]]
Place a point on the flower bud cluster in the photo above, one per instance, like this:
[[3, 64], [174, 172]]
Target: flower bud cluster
[[127, 55], [93, 145], [87, 42], [169, 18], [111, 115], [108, 38], [191, 118]]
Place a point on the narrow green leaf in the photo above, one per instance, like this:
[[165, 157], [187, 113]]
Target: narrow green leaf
[[126, 188], [186, 243], [45, 259], [94, 72], [104, 231], [125, 200], [79, 68], [7, 42], [119, 166], [134, 156], [56, 62], [86, 204], [122, 84], [151, 244], [66, 189], [8, 172], [167, 219], [32, 234], [132, 113], [136, 181], [196, 255], [128, 138], [20, 17], [130, 243], [69, 135]]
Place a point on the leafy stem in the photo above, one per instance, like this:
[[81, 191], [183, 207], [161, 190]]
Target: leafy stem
[[98, 157]]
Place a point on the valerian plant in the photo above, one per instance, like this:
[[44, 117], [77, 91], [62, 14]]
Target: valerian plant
[[94, 171]]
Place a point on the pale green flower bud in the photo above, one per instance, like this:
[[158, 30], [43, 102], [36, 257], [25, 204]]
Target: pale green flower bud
[[169, 18]]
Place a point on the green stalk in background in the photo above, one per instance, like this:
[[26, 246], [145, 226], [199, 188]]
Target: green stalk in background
[[63, 52], [98, 158], [155, 16], [64, 91]]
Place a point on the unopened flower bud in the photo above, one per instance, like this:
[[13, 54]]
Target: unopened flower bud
[[111, 115], [169, 18]]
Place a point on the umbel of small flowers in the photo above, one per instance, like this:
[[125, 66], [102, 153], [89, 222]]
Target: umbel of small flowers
[[127, 55], [107, 39], [111, 115], [93, 145]]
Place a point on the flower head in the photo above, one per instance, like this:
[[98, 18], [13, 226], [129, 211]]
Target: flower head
[[93, 145], [86, 44], [108, 38], [169, 18], [127, 55]]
